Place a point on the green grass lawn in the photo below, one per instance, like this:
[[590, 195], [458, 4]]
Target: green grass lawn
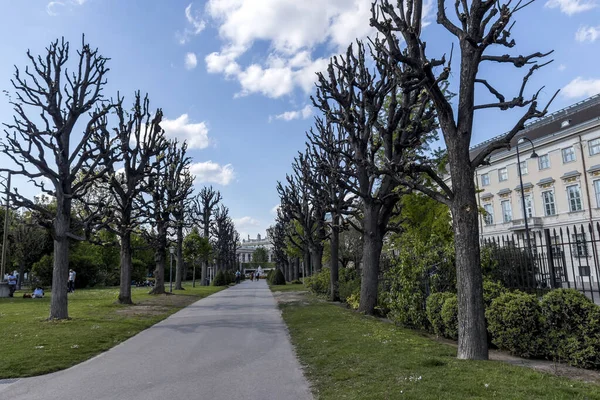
[[288, 287], [33, 346], [350, 356]]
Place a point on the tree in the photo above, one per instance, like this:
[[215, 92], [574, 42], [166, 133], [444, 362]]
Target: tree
[[478, 27], [196, 248], [204, 206], [139, 141], [39, 141], [260, 255], [28, 243], [384, 122], [277, 235]]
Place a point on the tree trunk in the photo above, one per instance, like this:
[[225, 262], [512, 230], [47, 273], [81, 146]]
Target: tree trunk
[[21, 274], [372, 245], [334, 248], [316, 258], [60, 272], [204, 274], [125, 287], [472, 335], [179, 270], [306, 263], [159, 258]]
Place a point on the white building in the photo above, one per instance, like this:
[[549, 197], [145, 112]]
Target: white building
[[248, 246]]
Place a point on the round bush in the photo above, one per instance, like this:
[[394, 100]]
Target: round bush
[[449, 314], [514, 323], [319, 283], [435, 302], [220, 279], [277, 278], [566, 312], [492, 290]]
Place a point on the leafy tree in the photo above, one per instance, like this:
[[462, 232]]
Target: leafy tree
[[260, 255], [196, 249]]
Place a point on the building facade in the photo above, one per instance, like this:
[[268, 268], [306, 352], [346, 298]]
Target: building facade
[[248, 246], [561, 186]]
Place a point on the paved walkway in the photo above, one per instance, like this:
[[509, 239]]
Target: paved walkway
[[231, 345]]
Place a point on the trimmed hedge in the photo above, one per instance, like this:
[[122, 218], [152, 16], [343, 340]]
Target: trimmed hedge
[[435, 302], [514, 322], [449, 314]]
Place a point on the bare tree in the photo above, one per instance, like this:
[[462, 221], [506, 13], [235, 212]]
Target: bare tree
[[204, 206], [277, 235], [139, 142], [50, 103], [478, 27], [384, 121], [224, 233]]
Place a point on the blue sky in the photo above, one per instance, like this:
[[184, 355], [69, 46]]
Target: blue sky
[[234, 76]]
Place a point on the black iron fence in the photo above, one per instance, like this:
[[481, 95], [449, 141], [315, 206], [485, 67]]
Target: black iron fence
[[566, 257]]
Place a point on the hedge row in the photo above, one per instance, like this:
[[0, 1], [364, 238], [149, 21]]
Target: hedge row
[[563, 325]]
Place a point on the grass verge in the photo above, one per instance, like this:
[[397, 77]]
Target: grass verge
[[349, 356], [35, 346], [288, 287]]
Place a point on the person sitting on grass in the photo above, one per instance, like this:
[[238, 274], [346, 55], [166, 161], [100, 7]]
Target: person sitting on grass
[[38, 293]]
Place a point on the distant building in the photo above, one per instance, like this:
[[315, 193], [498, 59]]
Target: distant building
[[248, 246]]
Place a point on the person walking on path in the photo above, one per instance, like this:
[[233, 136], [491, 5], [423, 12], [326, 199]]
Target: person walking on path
[[257, 276], [12, 284], [71, 283], [251, 276]]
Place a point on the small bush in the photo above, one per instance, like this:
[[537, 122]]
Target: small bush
[[277, 278], [514, 323], [349, 282], [492, 290], [319, 283], [354, 300], [566, 314], [449, 314], [296, 282], [220, 279], [435, 302], [42, 270]]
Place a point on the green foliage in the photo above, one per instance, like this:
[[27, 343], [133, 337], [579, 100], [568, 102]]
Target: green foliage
[[435, 302], [277, 278], [220, 279], [566, 315], [260, 255], [491, 290], [319, 283], [42, 270], [349, 282], [510, 266], [449, 315], [354, 300], [514, 322]]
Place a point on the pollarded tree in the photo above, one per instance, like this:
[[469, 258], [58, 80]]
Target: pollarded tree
[[139, 142], [384, 121], [478, 26], [277, 235], [224, 234], [204, 206], [50, 103]]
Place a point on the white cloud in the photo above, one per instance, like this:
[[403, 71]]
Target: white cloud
[[245, 223], [292, 29], [562, 67], [53, 7], [571, 7], [210, 172], [304, 113], [588, 34], [580, 87], [190, 61], [196, 135], [196, 25]]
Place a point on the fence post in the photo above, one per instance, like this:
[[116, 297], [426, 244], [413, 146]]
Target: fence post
[[550, 259]]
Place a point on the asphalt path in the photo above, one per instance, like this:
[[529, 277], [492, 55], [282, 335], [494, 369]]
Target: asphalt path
[[231, 345]]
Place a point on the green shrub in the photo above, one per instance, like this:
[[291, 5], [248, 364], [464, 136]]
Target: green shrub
[[319, 283], [296, 282], [277, 278], [492, 290], [514, 323], [435, 302], [220, 279], [349, 282], [354, 300], [449, 315], [566, 314], [42, 270]]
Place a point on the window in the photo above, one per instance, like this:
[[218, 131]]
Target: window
[[579, 245], [556, 246], [574, 196], [523, 167], [528, 206], [544, 161], [548, 200], [506, 211], [594, 146], [597, 189], [488, 216], [485, 180], [568, 155], [502, 174]]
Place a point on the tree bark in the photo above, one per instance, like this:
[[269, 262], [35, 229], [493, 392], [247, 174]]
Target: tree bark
[[372, 245], [21, 274], [307, 270], [179, 270], [125, 287], [60, 272], [472, 335], [334, 250], [316, 258], [159, 258]]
